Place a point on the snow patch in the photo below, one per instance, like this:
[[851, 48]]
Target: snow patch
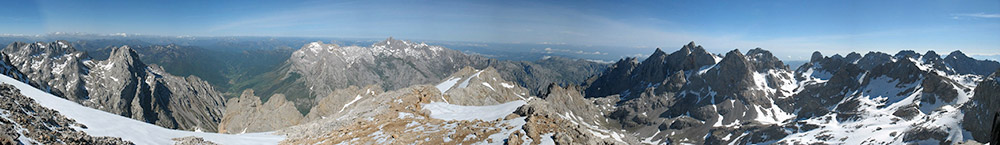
[[445, 111], [447, 84], [356, 98], [506, 85], [466, 82], [488, 85]]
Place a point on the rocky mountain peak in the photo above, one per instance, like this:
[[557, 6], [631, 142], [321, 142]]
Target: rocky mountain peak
[[733, 56], [931, 56], [816, 56], [392, 43], [689, 57], [963, 64], [127, 56], [852, 57], [763, 60], [837, 56], [957, 55], [903, 54], [657, 57], [904, 70], [872, 59], [733, 67]]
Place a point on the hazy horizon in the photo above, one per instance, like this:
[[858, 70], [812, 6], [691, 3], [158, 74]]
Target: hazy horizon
[[792, 30]]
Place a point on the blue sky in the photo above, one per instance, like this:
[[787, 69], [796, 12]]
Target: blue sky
[[790, 29]]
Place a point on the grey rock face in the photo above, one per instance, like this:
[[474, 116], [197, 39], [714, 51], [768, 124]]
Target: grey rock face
[[122, 85], [24, 121], [247, 114], [8, 69], [982, 110]]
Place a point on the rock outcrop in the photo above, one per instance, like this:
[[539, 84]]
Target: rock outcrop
[[337, 102], [247, 114], [983, 109]]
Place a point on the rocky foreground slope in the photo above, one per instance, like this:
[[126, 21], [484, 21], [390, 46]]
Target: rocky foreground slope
[[22, 121], [121, 84], [471, 106]]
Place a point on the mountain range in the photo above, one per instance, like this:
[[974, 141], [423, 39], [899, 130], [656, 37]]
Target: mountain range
[[398, 91]]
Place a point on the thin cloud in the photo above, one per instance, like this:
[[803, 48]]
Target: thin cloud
[[549, 50], [975, 15]]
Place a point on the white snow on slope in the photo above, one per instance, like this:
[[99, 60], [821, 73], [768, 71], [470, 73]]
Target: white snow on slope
[[506, 85], [446, 85], [101, 123], [445, 111], [356, 98], [877, 122], [466, 82], [488, 85]]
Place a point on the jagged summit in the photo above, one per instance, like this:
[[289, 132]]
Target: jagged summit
[[853, 57], [733, 56], [127, 55], [957, 54], [688, 58], [657, 56], [930, 55], [764, 60], [903, 54], [816, 55]]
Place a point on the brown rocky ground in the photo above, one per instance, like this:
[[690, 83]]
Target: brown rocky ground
[[398, 117]]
